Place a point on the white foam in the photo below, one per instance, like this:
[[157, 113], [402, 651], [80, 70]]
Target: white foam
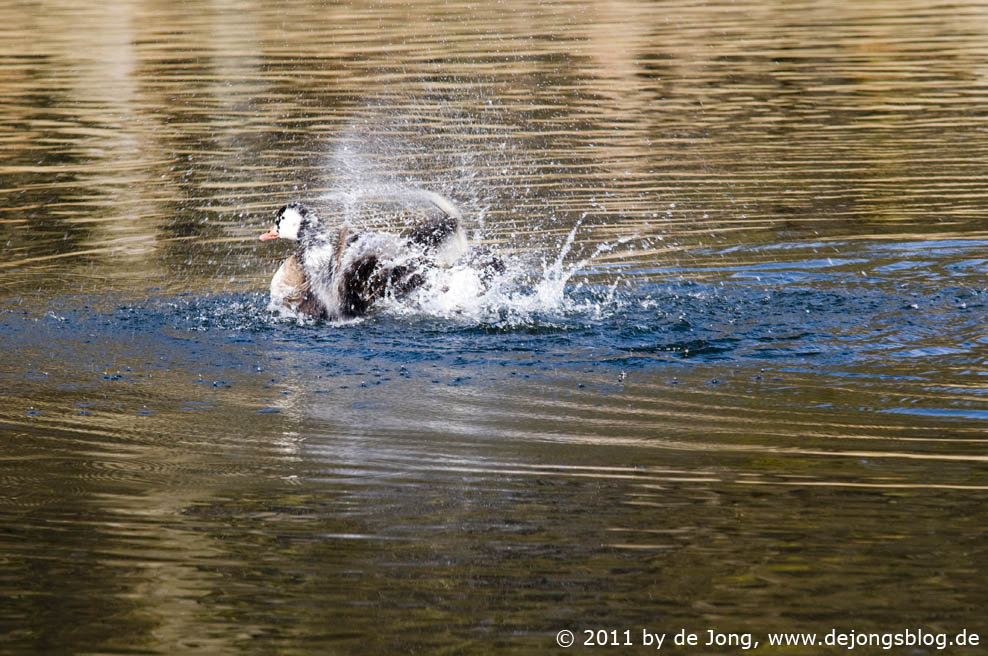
[[525, 292]]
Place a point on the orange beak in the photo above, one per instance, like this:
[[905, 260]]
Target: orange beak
[[270, 234]]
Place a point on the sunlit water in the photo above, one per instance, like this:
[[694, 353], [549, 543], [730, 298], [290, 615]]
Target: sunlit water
[[733, 376]]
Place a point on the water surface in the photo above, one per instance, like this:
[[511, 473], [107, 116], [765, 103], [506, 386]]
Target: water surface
[[735, 379]]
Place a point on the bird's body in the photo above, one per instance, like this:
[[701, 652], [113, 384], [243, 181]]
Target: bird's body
[[338, 274]]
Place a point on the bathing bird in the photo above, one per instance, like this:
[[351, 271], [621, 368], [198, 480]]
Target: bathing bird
[[340, 273]]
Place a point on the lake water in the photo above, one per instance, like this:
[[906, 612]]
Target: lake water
[[735, 380]]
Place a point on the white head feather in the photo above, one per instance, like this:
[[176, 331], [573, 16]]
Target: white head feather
[[289, 222]]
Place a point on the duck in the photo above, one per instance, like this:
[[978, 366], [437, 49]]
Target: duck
[[340, 273]]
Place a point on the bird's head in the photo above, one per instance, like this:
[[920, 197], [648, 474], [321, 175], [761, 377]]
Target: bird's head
[[291, 221]]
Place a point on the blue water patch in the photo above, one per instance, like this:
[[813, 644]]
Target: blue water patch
[[214, 341], [930, 247], [187, 353], [904, 266], [941, 413]]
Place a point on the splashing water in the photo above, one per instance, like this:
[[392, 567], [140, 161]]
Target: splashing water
[[379, 167], [519, 296], [525, 291]]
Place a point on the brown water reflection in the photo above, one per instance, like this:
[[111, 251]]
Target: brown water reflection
[[774, 420], [151, 125]]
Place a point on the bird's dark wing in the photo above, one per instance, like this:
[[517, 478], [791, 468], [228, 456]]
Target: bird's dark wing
[[366, 280], [356, 285], [434, 231]]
